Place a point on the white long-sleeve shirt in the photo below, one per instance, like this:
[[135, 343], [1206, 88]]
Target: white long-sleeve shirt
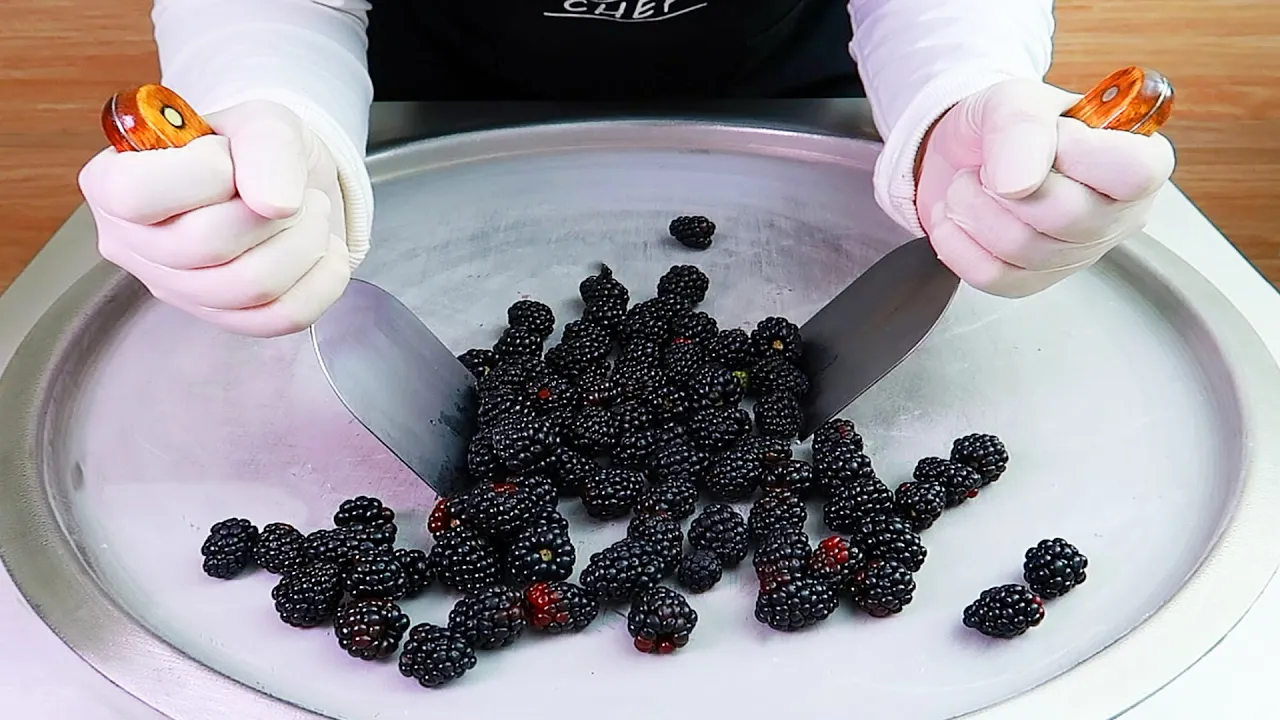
[[917, 58]]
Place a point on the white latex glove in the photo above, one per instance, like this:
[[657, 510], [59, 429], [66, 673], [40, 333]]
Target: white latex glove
[[1001, 219], [244, 229]]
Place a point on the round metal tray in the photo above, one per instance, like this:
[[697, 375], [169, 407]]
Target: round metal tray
[[1133, 399]]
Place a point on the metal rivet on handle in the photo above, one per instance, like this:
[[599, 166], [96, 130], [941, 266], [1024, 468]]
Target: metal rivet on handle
[[1110, 94]]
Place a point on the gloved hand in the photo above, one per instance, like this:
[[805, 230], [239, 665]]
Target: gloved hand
[[995, 213], [244, 229]]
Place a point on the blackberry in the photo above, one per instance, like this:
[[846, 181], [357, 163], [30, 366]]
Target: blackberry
[[774, 375], [692, 231], [547, 516], [631, 416], [417, 570], [686, 282], [623, 569], [364, 510], [637, 381], [776, 337], [641, 353], [490, 618], [888, 537], [781, 556], [570, 470], [882, 588], [447, 514], [679, 460], [606, 313], [538, 486], [228, 549], [370, 629], [375, 574], [960, 482], [341, 545], [842, 466], [920, 503], [768, 451], [645, 322], [611, 493], [716, 386], [775, 509], [721, 531], [778, 415], [479, 361], [523, 441], [511, 373], [499, 403], [550, 392], [464, 560], [793, 475], [598, 391], [542, 552], [518, 342], [984, 453], [1004, 611], [499, 509], [280, 549], [731, 347], [681, 359], [559, 607], [719, 428], [435, 656], [669, 402], [835, 561], [696, 327], [734, 477], [632, 450], [483, 463], [532, 315], [602, 286], [795, 605], [677, 497], [834, 432], [663, 533], [660, 621], [1053, 567], [310, 596], [699, 571], [852, 502], [576, 356]]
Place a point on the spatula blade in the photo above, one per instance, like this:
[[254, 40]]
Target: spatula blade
[[870, 327], [400, 382]]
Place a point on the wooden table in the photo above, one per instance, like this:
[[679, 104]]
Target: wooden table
[[59, 59]]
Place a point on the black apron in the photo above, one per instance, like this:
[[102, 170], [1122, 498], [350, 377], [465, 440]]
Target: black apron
[[609, 49]]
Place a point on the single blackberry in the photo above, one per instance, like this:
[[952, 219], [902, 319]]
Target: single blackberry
[[570, 470], [602, 286], [681, 359], [1053, 567], [660, 620], [483, 463], [606, 313], [547, 516], [775, 509], [370, 629], [464, 560], [550, 392], [490, 618], [733, 477], [920, 503], [661, 531], [793, 475], [692, 231], [538, 486], [375, 574], [542, 552], [715, 385], [641, 352], [669, 402], [623, 569], [631, 416], [435, 656], [364, 510], [695, 327], [523, 441], [842, 466], [1004, 611], [611, 493], [519, 342], [835, 561], [770, 375], [768, 451], [778, 415], [721, 531], [499, 509], [719, 428], [699, 571], [447, 514], [577, 356], [417, 570], [310, 596], [834, 432], [598, 390], [853, 501], [500, 403], [559, 607], [479, 361], [800, 603], [888, 537], [341, 545], [679, 460], [511, 373], [532, 315], [228, 549], [781, 556], [984, 453], [731, 348], [677, 497], [686, 282], [280, 549], [637, 381], [882, 588], [776, 337], [632, 450], [960, 482], [645, 322]]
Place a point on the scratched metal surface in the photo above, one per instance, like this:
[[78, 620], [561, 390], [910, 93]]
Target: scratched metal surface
[[1118, 393]]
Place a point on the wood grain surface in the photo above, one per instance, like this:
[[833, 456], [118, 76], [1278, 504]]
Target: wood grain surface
[[60, 59]]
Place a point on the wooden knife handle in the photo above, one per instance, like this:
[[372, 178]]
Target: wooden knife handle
[[1132, 99], [150, 117]]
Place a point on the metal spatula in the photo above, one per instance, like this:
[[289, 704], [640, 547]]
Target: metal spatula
[[885, 313], [390, 371]]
